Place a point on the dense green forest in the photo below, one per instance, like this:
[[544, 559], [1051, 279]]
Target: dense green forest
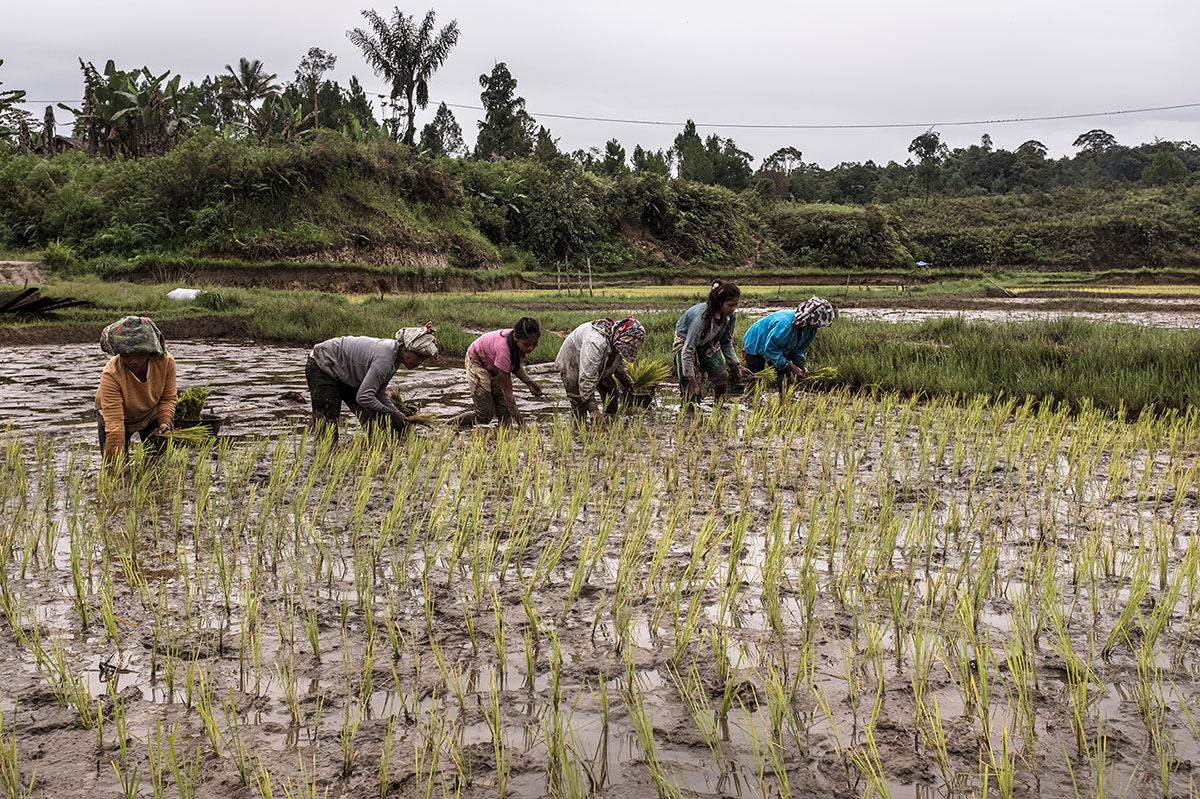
[[245, 167]]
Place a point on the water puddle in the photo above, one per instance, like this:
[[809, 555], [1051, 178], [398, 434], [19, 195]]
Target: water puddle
[[52, 388]]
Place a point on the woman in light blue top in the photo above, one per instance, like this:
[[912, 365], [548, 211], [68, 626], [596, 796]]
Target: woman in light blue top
[[782, 339], [704, 342]]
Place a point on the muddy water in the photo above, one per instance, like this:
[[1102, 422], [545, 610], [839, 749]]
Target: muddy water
[[293, 558], [1169, 312], [1181, 314], [255, 387]]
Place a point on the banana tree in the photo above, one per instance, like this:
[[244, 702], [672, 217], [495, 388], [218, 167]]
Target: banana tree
[[277, 118], [8, 100], [130, 113]]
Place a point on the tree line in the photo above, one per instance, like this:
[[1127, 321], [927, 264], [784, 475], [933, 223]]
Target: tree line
[[137, 113]]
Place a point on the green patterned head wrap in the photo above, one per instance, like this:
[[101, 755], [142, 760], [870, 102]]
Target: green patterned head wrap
[[132, 335]]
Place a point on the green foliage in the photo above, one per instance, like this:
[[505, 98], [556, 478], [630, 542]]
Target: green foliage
[[330, 198], [223, 301], [443, 136], [58, 255], [130, 113], [1069, 360], [506, 131], [838, 236], [9, 98], [706, 223], [1165, 167], [217, 196], [1070, 229]]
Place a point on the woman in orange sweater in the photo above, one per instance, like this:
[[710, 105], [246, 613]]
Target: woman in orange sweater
[[137, 386]]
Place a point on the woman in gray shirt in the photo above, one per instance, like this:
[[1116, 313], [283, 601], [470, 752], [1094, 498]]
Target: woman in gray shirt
[[356, 370]]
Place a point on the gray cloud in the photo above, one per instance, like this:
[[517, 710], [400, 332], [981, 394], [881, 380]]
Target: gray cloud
[[749, 62]]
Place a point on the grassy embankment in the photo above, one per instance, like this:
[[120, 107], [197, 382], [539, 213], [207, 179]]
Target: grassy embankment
[[1110, 366]]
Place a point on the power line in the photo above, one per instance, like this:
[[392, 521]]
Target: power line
[[813, 126], [865, 126]]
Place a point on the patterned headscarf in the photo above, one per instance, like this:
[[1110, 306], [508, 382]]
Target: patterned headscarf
[[419, 340], [132, 335], [626, 336], [814, 312]]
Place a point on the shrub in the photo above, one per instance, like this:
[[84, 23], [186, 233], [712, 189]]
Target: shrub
[[58, 255]]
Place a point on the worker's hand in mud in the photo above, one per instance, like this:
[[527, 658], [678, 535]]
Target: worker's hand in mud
[[694, 386], [534, 388], [399, 419], [797, 372], [163, 429], [744, 373]]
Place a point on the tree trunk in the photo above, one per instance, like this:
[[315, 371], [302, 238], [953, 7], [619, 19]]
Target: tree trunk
[[411, 131]]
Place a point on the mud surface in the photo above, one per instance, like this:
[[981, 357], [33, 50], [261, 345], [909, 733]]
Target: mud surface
[[1154, 313], [803, 598], [51, 388], [21, 273]]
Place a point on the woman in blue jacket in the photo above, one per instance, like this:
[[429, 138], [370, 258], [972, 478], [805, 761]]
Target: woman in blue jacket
[[781, 339]]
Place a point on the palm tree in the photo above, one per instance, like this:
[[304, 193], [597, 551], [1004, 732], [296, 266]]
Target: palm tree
[[405, 55], [250, 82]]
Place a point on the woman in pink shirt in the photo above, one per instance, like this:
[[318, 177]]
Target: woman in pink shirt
[[492, 360]]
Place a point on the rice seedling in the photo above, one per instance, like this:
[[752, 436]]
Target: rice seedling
[[189, 436], [190, 402], [647, 374], [12, 784], [955, 561]]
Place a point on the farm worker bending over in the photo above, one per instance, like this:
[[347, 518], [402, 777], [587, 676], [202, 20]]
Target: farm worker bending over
[[592, 355], [781, 339], [137, 386], [704, 342], [492, 360], [356, 370]]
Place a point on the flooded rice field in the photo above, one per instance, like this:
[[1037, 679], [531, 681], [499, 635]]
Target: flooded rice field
[[257, 388], [1166, 313], [822, 593]]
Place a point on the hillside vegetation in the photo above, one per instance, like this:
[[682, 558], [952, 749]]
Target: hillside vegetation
[[330, 199]]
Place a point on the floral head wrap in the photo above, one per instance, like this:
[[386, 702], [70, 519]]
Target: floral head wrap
[[626, 336], [814, 312], [419, 340], [132, 335]]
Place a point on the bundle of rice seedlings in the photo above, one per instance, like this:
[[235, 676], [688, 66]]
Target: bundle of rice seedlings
[[823, 373], [409, 409], [647, 373], [189, 436], [767, 373], [190, 403], [406, 407], [423, 419]]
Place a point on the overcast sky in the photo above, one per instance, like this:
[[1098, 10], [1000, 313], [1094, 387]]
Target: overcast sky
[[724, 64]]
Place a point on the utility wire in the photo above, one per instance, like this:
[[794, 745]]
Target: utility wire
[[753, 126], [867, 126]]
